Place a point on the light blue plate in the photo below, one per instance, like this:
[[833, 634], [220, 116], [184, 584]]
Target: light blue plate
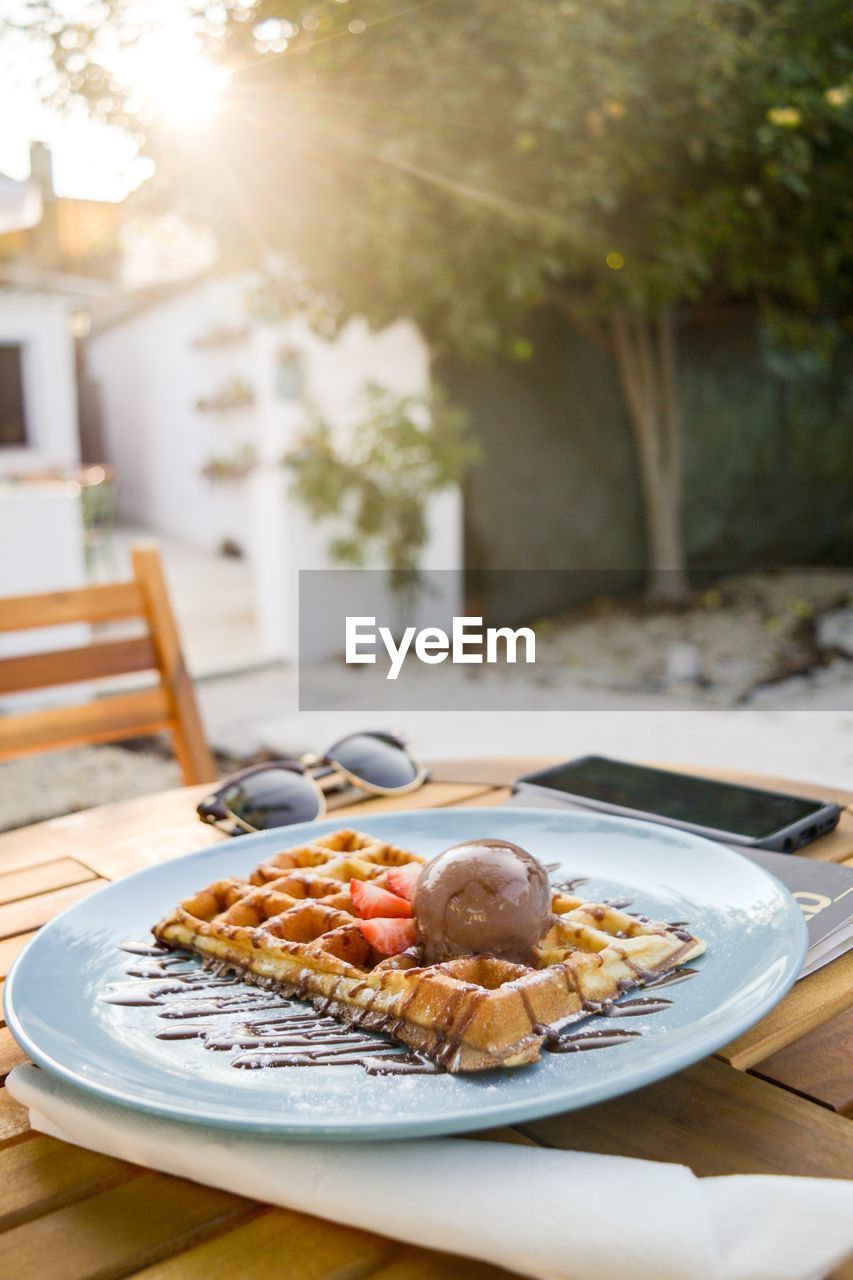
[[755, 934]]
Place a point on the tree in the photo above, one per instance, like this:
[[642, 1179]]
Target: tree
[[403, 449], [467, 164]]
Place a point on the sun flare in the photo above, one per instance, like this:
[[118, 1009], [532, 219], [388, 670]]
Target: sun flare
[[175, 81]]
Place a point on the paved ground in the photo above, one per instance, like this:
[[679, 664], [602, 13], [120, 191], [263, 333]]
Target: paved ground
[[259, 709], [212, 597]]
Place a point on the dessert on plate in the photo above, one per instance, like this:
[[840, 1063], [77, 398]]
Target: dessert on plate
[[472, 958]]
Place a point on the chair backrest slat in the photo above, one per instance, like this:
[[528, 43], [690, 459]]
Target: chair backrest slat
[[108, 719], [170, 705], [104, 603], [75, 666]]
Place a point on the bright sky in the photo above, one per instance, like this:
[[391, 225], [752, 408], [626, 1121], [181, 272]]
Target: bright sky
[[167, 73]]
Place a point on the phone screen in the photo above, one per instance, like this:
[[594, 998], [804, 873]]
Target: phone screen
[[722, 806]]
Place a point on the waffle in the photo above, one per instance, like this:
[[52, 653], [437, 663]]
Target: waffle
[[291, 926]]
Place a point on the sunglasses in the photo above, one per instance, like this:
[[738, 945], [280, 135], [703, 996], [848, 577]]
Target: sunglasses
[[283, 792]]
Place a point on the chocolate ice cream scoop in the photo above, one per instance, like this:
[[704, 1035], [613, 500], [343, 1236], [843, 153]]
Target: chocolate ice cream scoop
[[482, 897]]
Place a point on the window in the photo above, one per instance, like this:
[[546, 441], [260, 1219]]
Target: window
[[13, 418]]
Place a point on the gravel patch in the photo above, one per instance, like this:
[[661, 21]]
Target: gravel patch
[[59, 782], [737, 637]]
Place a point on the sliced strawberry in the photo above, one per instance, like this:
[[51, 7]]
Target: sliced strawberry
[[389, 937], [371, 901], [401, 880]]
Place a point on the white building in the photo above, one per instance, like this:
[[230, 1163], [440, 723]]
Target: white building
[[198, 402], [41, 526], [46, 245], [190, 399], [38, 396]]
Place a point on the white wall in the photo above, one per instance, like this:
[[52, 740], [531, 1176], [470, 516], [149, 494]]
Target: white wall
[[39, 321], [149, 377], [41, 526], [41, 549]]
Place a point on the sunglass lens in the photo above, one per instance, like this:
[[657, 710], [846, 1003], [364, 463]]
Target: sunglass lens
[[272, 798], [375, 759]]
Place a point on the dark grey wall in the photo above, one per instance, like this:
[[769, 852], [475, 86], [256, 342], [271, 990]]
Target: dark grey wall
[[769, 451], [768, 464]]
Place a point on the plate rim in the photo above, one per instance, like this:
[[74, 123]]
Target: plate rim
[[461, 1120]]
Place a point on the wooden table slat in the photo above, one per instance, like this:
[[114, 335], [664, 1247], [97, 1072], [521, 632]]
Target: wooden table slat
[[490, 800], [9, 948], [29, 881], [119, 838], [496, 771], [818, 1066], [14, 1121], [427, 1265], [118, 1230], [115, 838], [10, 1055], [19, 852], [435, 795], [714, 1119], [30, 913], [277, 1243], [307, 1248], [813, 1001], [44, 1174], [835, 847]]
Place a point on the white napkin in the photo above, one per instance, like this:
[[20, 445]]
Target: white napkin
[[556, 1215]]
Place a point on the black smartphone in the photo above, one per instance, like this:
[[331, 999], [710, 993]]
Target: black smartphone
[[723, 810]]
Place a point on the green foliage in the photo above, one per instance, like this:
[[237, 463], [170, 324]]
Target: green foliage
[[465, 164], [377, 482]]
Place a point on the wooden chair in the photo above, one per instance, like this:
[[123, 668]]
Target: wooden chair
[[169, 705]]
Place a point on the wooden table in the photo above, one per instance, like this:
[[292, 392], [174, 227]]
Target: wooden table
[[775, 1101]]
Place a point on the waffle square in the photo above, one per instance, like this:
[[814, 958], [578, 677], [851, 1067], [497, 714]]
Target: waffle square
[[292, 926]]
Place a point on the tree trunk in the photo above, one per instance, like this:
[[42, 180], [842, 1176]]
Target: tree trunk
[[645, 357]]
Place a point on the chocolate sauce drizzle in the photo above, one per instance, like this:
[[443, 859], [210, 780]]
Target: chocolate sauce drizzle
[[207, 1003], [184, 990]]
